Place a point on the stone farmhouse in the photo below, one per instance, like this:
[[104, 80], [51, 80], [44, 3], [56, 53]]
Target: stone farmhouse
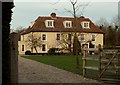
[[52, 28]]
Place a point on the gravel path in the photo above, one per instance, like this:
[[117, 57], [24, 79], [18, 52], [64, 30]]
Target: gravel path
[[35, 72]]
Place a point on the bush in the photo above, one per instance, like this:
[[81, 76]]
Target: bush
[[53, 51], [28, 52]]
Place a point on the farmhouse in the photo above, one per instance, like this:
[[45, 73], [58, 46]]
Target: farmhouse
[[53, 30]]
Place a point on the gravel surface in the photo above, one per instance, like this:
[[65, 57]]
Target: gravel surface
[[35, 72]]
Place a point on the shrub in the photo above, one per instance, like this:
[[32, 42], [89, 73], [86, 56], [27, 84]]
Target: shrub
[[28, 52], [53, 51]]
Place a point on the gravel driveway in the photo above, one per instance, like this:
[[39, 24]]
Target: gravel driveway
[[35, 72]]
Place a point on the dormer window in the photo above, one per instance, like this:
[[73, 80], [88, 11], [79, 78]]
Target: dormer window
[[49, 23], [85, 24], [67, 24]]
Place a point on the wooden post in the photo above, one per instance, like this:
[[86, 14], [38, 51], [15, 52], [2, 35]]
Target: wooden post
[[14, 57], [100, 55], [84, 62]]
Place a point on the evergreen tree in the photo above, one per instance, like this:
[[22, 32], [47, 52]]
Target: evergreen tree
[[6, 19]]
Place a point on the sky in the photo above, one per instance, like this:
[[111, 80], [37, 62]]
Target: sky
[[26, 11]]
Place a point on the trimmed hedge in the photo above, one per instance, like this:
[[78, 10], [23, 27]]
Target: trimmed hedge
[[28, 52]]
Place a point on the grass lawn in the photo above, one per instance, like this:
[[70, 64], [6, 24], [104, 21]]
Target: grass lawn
[[65, 62]]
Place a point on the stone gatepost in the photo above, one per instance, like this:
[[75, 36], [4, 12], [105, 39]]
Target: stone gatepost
[[14, 57]]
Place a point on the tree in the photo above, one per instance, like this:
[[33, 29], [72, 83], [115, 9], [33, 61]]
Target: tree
[[118, 37], [115, 21], [66, 41], [76, 43], [102, 22], [6, 8], [111, 31], [74, 11], [116, 25], [110, 38], [34, 41], [20, 29]]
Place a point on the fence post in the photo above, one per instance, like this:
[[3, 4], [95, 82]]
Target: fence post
[[84, 61], [14, 57], [100, 55]]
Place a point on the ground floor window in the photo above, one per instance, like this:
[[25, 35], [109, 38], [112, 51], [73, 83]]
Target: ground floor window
[[43, 47], [22, 47]]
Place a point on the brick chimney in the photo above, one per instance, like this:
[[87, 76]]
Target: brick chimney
[[82, 17], [53, 15]]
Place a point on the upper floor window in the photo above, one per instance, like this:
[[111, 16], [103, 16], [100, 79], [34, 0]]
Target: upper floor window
[[58, 37], [49, 23], [67, 24], [85, 24], [43, 36], [82, 37]]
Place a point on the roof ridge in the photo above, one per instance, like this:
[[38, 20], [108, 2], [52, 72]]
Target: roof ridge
[[62, 17]]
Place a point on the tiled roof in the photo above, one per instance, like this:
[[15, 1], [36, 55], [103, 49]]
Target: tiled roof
[[39, 25]]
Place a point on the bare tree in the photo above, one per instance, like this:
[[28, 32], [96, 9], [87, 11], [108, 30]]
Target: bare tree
[[66, 41], [20, 29], [76, 43], [102, 22], [112, 31], [115, 21], [34, 41]]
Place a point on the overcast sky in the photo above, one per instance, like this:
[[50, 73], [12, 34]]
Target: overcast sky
[[24, 12]]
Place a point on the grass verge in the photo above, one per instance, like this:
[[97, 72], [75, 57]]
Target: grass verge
[[65, 62]]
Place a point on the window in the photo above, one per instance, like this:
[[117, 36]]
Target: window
[[43, 47], [85, 24], [49, 23], [43, 36], [58, 37], [82, 37], [22, 47], [68, 24], [93, 37]]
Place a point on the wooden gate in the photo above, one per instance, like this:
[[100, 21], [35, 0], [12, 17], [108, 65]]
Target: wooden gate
[[108, 67]]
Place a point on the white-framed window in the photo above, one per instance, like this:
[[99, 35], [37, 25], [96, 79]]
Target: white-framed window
[[93, 37], [57, 36], [85, 24], [49, 23], [43, 47], [67, 24], [44, 37]]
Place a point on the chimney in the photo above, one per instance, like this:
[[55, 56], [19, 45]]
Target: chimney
[[53, 15], [82, 17]]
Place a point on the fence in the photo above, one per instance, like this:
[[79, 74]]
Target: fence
[[108, 67]]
